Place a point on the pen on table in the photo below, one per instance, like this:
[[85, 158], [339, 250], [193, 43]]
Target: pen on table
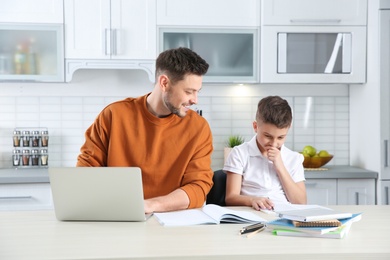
[[252, 228], [255, 232]]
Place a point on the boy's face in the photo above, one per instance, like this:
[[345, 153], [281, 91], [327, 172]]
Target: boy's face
[[268, 135]]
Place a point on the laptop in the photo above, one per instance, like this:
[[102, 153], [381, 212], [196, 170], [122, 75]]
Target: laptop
[[97, 193]]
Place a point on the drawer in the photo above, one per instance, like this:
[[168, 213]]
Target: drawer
[[26, 196]]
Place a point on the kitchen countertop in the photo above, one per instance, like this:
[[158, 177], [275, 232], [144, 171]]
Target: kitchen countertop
[[341, 172], [24, 175], [39, 175]]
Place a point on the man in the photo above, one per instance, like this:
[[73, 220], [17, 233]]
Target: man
[[160, 134]]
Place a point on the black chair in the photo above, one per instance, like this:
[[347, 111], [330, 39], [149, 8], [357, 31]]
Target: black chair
[[218, 191]]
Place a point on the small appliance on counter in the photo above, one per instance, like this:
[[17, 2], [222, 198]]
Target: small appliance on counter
[[30, 147]]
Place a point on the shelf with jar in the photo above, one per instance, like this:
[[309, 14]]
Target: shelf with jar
[[30, 147]]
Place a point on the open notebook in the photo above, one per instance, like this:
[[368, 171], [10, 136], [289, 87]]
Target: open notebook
[[97, 193]]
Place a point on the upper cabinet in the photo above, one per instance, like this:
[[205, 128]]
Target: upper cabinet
[[111, 34], [314, 12], [37, 11], [31, 52], [31, 41], [223, 32], [208, 13], [314, 41]]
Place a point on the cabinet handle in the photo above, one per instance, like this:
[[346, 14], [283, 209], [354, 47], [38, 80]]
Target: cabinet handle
[[386, 144], [15, 197], [114, 42], [107, 42], [315, 20], [357, 198], [387, 195]]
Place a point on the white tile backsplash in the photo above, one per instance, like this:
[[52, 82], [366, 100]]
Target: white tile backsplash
[[68, 109]]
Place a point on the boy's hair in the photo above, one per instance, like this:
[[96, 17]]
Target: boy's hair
[[176, 63], [274, 110]]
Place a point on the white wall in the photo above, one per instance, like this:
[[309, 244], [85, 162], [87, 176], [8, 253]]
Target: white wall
[[321, 112]]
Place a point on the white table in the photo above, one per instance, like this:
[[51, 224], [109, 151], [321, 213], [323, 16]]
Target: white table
[[38, 235]]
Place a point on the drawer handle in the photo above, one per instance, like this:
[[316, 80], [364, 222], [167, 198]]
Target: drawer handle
[[357, 198], [315, 20], [15, 197]]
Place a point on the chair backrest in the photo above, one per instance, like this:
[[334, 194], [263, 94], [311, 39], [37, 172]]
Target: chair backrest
[[218, 191]]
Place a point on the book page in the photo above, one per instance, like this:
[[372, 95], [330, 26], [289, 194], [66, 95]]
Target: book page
[[184, 218], [288, 206], [222, 214]]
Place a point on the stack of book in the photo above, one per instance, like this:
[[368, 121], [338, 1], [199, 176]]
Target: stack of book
[[318, 222]]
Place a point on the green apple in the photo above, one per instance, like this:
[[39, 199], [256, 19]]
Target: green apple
[[310, 150], [323, 153]]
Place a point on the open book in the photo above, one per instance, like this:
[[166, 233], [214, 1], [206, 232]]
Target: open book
[[209, 214]]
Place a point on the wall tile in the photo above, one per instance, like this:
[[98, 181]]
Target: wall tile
[[319, 121]]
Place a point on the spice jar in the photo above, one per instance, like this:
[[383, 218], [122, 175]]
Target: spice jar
[[44, 138], [26, 138], [16, 157], [35, 157], [16, 138], [26, 157], [44, 157], [35, 139]]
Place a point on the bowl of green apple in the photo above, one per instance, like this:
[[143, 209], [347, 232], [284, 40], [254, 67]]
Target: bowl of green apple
[[314, 159]]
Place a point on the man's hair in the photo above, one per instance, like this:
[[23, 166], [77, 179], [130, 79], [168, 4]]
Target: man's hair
[[274, 110], [177, 63]]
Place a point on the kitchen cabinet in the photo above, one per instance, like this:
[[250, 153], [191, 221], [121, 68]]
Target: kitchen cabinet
[[314, 12], [311, 42], [384, 73], [341, 185], [233, 13], [25, 196], [356, 192], [26, 11], [231, 53], [321, 191], [110, 34], [341, 191], [385, 187], [31, 52]]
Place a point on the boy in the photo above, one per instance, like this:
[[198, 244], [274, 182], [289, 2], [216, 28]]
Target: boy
[[263, 171]]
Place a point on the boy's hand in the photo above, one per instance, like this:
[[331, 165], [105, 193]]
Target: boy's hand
[[274, 156], [262, 203]]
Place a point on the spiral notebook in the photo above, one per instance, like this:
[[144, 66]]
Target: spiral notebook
[[320, 223]]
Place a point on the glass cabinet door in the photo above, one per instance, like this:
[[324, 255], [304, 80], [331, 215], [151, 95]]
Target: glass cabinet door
[[32, 52], [231, 54], [314, 53]]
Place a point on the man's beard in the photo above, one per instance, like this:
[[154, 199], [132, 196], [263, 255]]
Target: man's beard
[[174, 110]]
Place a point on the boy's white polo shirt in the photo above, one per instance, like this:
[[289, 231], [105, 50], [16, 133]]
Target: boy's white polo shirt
[[259, 176]]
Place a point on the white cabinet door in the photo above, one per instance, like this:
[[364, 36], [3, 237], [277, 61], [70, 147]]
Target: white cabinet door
[[356, 192], [104, 29], [314, 12], [321, 191], [86, 24], [208, 13], [385, 92], [133, 24], [385, 188], [26, 196], [27, 11]]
